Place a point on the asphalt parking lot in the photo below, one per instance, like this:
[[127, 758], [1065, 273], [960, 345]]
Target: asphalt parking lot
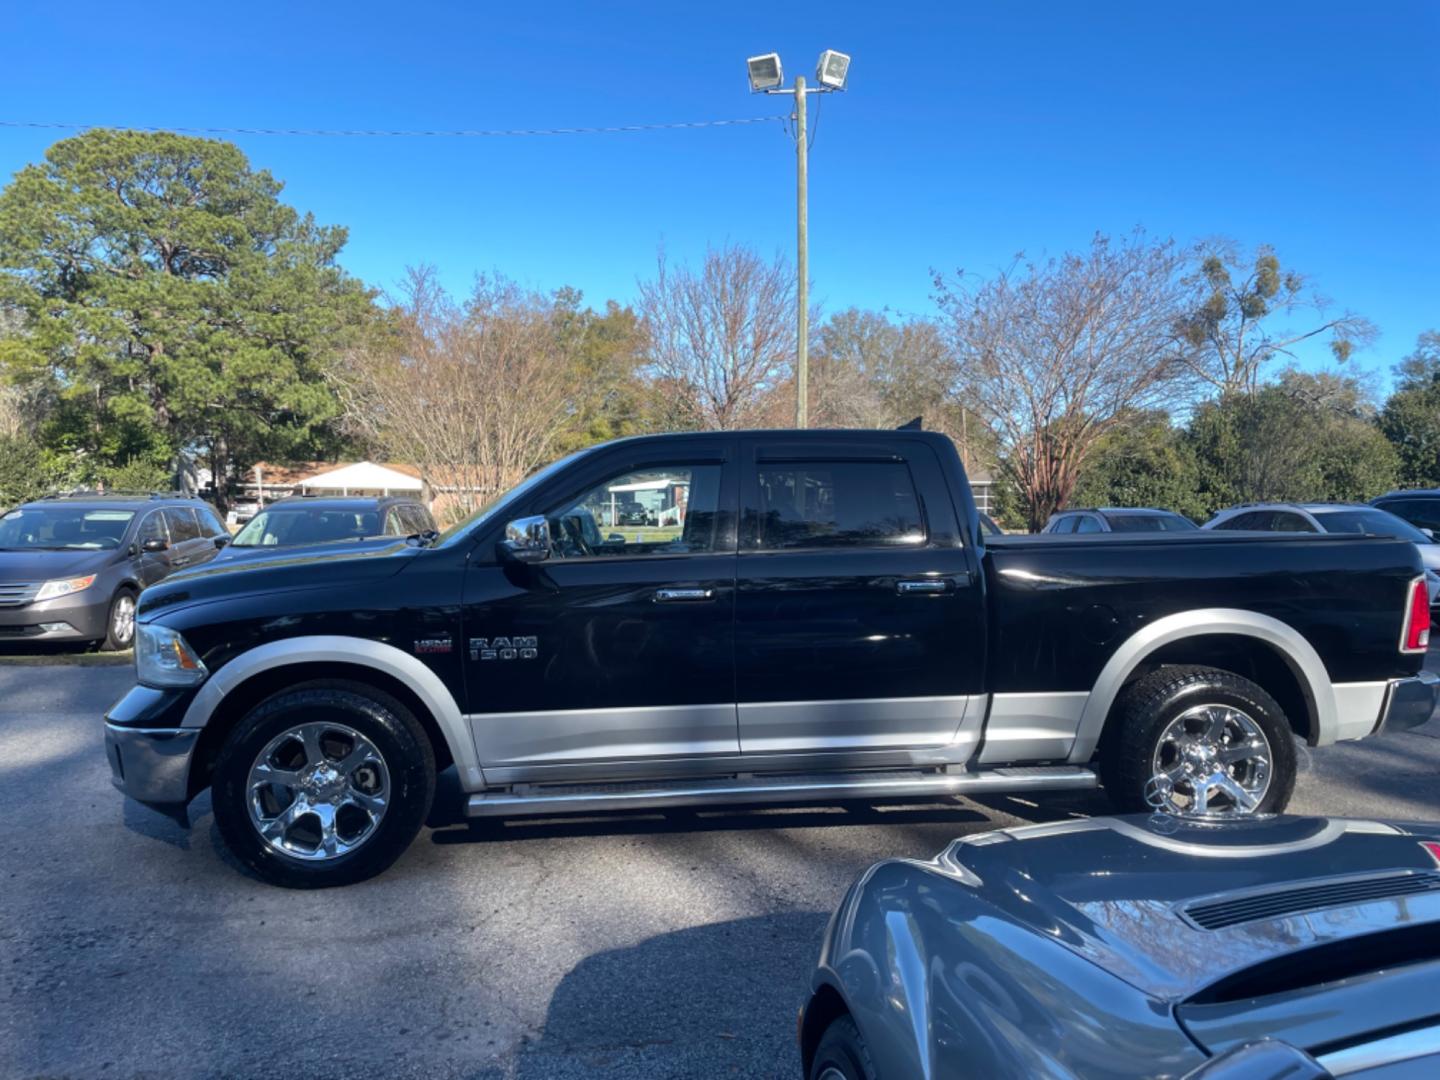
[[647, 946]]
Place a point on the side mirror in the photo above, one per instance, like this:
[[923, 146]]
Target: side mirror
[[527, 540], [155, 545], [1429, 532], [221, 541]]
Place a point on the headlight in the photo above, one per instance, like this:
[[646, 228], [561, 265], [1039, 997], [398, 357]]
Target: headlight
[[164, 658], [64, 587]]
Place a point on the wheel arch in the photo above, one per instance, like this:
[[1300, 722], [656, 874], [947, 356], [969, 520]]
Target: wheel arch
[[254, 675], [826, 1005], [1287, 666]]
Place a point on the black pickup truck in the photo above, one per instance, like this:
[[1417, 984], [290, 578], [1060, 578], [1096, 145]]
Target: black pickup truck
[[805, 615]]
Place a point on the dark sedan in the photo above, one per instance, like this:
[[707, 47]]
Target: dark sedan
[[1139, 947]]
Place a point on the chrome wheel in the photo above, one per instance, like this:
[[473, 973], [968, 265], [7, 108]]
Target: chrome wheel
[[1211, 761], [317, 791], [122, 620]]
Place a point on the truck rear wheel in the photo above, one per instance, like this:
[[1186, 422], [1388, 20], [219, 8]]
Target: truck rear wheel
[[323, 784], [1198, 742]]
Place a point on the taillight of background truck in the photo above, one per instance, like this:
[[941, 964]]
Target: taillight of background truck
[[1415, 638]]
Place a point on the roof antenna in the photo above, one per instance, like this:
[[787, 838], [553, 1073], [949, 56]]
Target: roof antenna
[[913, 425]]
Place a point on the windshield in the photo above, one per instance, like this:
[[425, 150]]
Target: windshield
[[1150, 523], [1373, 523], [292, 525], [63, 528]]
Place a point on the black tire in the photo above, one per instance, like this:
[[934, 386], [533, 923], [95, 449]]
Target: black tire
[[842, 1050], [1142, 714], [390, 727], [122, 637]]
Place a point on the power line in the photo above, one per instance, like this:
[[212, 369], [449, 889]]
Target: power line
[[436, 134]]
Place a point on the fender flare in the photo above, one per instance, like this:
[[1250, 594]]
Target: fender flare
[[1304, 661], [361, 652]]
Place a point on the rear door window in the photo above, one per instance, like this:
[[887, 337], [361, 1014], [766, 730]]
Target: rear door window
[[836, 504], [182, 523], [1284, 521], [1246, 522]]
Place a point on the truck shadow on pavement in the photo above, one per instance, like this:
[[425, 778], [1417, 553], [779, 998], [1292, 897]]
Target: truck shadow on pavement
[[707, 1000]]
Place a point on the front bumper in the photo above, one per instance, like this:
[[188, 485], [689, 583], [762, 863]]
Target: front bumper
[[151, 765], [1409, 702], [81, 616]]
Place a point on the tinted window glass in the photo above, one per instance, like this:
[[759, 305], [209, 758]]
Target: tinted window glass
[[841, 503], [153, 528], [1246, 522], [210, 523], [1372, 523], [292, 525], [1063, 524], [182, 524], [1150, 523], [1422, 513], [414, 519], [1287, 522], [393, 524], [1087, 523], [652, 511]]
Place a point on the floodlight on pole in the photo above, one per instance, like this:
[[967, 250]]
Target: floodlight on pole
[[765, 73], [830, 72], [767, 77]]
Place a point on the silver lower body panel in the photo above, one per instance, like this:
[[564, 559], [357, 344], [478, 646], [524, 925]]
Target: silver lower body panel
[[743, 790]]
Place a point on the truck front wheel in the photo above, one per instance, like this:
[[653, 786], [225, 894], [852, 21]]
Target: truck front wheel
[[1198, 742], [323, 784]]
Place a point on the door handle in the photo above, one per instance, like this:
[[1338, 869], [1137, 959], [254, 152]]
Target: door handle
[[922, 585], [671, 596]]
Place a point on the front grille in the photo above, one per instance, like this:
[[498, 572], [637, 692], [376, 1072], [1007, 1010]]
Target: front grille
[[17, 594], [1277, 903]]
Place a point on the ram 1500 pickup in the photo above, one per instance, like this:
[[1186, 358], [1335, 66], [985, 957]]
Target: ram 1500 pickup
[[808, 615]]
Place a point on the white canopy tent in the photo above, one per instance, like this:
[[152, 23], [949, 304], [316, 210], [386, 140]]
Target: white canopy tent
[[363, 477]]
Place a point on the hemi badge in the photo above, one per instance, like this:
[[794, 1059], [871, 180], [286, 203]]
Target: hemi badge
[[434, 645], [1433, 847]]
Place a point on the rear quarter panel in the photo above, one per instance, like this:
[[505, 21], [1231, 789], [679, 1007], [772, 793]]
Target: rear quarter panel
[[1062, 604]]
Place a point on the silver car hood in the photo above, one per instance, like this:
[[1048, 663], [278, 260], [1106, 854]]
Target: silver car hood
[[1173, 907]]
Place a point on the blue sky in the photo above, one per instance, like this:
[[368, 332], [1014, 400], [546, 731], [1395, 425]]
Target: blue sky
[[971, 131]]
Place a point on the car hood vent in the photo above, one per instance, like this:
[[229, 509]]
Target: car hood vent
[[1231, 910]]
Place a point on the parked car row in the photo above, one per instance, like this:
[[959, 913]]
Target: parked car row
[[1403, 515], [72, 567]]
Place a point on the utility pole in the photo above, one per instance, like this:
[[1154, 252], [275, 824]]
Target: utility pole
[[766, 77], [802, 260]]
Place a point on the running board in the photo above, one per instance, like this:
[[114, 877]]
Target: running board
[[813, 787]]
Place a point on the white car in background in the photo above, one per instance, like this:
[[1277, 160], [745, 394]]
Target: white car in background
[[240, 514], [1349, 518]]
